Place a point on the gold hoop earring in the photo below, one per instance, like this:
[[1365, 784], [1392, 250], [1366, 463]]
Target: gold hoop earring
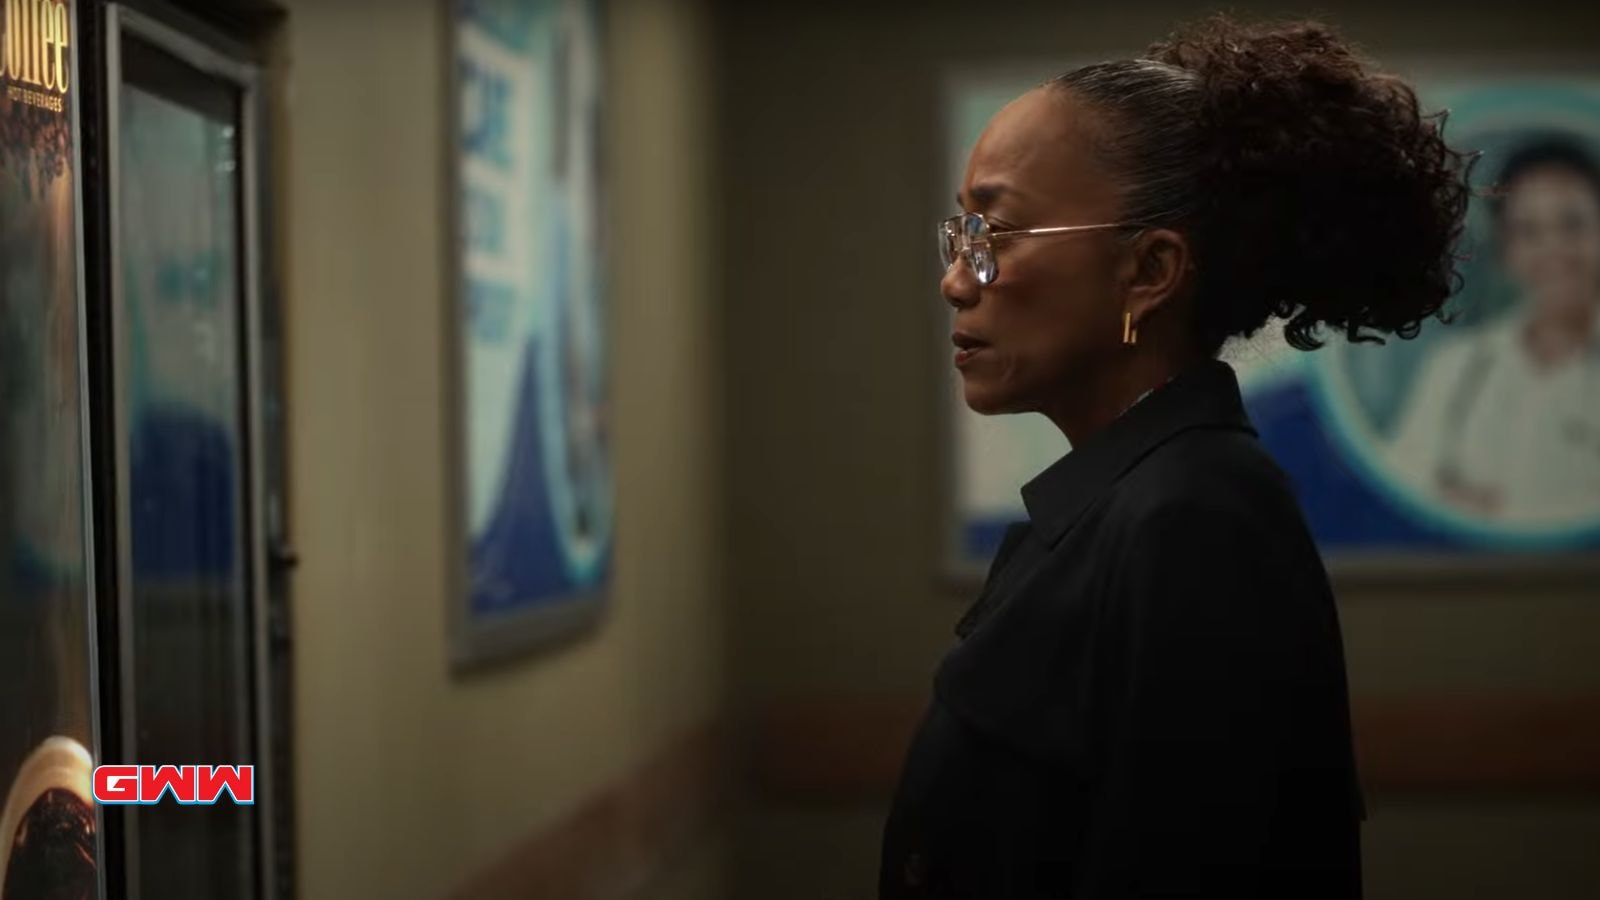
[[1130, 334]]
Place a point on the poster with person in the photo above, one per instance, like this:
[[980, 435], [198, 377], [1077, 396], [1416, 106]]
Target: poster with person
[[1479, 440]]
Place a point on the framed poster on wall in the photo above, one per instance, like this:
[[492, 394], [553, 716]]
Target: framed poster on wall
[[1474, 447], [532, 456], [49, 828]]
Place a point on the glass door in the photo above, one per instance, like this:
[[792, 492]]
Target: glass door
[[190, 559]]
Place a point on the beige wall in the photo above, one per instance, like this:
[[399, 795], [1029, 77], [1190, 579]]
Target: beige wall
[[832, 143], [410, 778]]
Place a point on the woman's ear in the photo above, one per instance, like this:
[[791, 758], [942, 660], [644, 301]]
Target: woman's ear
[[1159, 270]]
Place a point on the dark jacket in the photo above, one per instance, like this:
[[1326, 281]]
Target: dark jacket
[[1148, 697]]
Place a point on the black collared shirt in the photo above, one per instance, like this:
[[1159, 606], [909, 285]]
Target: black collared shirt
[[1148, 697]]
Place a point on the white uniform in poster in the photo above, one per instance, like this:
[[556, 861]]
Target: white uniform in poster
[[1490, 431]]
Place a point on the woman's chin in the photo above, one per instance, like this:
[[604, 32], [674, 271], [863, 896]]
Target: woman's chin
[[985, 401]]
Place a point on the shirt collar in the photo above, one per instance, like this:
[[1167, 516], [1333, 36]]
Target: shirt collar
[[1205, 395]]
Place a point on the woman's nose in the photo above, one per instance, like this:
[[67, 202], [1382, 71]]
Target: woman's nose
[[959, 286]]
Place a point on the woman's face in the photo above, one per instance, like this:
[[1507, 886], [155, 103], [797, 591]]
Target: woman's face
[[1054, 310], [1551, 238]]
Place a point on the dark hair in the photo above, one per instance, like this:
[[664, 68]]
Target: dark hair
[[1311, 188], [1555, 151]]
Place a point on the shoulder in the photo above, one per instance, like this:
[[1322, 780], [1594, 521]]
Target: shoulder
[[1209, 535], [1210, 507], [1210, 474]]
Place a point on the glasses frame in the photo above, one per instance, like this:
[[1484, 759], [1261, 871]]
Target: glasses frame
[[952, 232]]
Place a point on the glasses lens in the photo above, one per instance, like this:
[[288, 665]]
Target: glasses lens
[[948, 248], [983, 264], [979, 254]]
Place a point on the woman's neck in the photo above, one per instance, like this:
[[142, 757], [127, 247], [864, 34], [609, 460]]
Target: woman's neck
[[1096, 401], [1552, 341]]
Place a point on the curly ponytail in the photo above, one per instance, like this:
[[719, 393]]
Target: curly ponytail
[[1312, 189]]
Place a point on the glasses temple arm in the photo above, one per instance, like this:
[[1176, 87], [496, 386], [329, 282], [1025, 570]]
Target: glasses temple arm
[[1063, 229]]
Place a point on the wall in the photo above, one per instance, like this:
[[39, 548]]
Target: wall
[[831, 135], [412, 779]]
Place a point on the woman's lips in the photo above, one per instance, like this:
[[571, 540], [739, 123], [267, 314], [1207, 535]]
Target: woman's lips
[[967, 348]]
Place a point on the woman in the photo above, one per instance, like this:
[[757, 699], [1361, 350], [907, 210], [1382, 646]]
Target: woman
[[1148, 698], [1503, 423]]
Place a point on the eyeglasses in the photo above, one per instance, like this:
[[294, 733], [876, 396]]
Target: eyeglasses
[[969, 235]]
